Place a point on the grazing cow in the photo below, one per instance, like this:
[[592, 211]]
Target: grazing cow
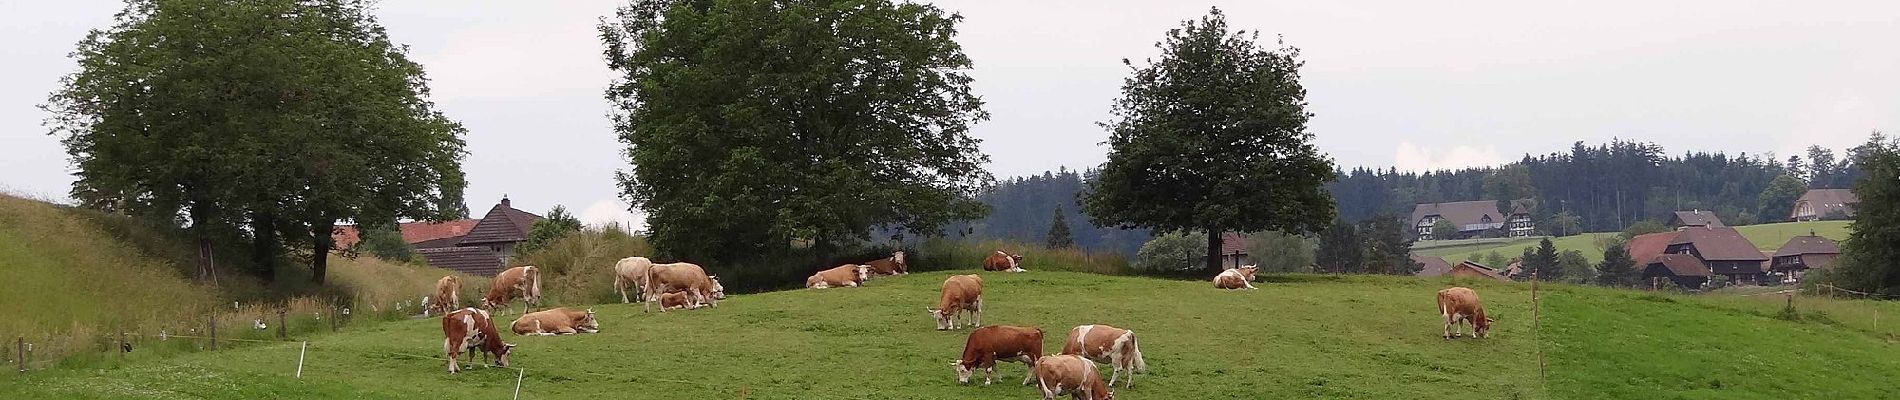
[[448, 296], [629, 274], [1071, 374], [990, 344], [559, 321], [1460, 305], [893, 265], [1236, 278], [1103, 343], [676, 301], [848, 275], [523, 281], [960, 293], [470, 329], [1003, 261], [685, 277]]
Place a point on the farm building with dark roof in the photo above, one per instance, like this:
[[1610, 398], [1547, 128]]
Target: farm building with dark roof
[[1723, 250], [1682, 269], [1472, 218], [1819, 204], [1694, 218], [1805, 252]]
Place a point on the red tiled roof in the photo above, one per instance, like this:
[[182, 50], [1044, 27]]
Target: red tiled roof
[[1645, 248], [413, 232], [1433, 266]]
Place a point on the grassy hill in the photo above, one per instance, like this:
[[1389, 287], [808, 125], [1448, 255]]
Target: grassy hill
[[1297, 337], [1765, 236]]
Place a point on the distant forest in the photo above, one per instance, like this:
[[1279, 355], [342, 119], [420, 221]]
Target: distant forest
[[1606, 187]]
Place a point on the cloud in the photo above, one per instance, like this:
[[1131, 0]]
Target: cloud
[[612, 211], [1415, 158]]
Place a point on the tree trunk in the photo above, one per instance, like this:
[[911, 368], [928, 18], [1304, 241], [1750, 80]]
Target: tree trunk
[[264, 245], [201, 214], [1213, 250], [320, 232]]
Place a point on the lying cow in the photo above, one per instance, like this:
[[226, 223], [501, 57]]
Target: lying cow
[[559, 321], [1236, 278], [685, 277], [677, 301], [471, 329], [631, 274], [1003, 261], [1460, 305], [1070, 374], [1103, 343], [960, 293], [447, 298], [990, 344], [523, 282], [848, 275], [893, 265]]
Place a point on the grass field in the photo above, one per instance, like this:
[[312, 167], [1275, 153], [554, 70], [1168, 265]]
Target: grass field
[[1300, 336], [1764, 236]]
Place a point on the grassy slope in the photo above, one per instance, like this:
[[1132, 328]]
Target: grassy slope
[[64, 275], [1356, 337], [1765, 237]]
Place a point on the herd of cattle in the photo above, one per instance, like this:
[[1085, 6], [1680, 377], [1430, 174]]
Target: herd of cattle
[[1072, 371]]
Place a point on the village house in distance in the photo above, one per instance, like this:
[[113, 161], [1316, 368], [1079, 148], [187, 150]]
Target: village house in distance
[[478, 247], [1473, 219], [1824, 204]]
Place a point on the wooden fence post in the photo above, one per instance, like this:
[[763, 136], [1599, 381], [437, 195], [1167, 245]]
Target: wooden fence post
[[122, 343], [333, 317], [21, 343], [1537, 329], [211, 327], [282, 328]]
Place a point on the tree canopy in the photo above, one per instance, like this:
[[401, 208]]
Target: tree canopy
[[751, 124], [1212, 137], [1867, 257], [262, 120]]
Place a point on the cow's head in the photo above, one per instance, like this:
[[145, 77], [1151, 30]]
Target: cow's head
[[898, 257], [963, 371], [943, 318], [864, 272], [501, 356], [588, 323], [718, 290], [1481, 327], [1248, 271]]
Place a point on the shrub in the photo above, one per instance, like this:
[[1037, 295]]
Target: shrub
[[1172, 253]]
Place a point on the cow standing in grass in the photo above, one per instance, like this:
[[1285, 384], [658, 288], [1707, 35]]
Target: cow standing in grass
[[684, 277], [990, 344], [630, 274], [470, 329], [848, 275], [960, 293], [523, 282], [559, 321], [448, 296], [1003, 261], [1236, 278], [1103, 343], [893, 265], [1460, 305], [1070, 374]]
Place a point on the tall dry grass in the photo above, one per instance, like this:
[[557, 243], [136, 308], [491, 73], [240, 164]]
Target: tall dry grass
[[578, 268], [941, 254]]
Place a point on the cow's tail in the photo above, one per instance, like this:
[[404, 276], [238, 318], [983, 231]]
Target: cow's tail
[[1134, 352], [534, 285], [646, 291]]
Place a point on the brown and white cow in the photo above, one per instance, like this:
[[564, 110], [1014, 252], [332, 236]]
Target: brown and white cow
[[631, 274], [448, 296], [1103, 343], [677, 301], [685, 277], [471, 329], [990, 344], [559, 321], [848, 275], [1236, 278], [893, 265], [1460, 305], [1003, 261], [1070, 374], [960, 293], [523, 282]]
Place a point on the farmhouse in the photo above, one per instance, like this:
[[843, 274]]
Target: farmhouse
[[474, 246], [1723, 250], [1803, 253], [1644, 248], [1431, 266], [1694, 219], [1682, 269], [1472, 218], [1820, 204]]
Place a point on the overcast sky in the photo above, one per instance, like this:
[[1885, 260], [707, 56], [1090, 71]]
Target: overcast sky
[[1416, 85]]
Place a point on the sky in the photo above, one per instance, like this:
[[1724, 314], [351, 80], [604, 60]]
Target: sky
[[1413, 85]]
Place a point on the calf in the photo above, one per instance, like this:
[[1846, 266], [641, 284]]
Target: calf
[[1460, 305], [1236, 278], [848, 275], [893, 265], [990, 344], [631, 273], [1103, 343], [448, 296], [1071, 374], [559, 321], [471, 329], [523, 281], [960, 293], [685, 277], [1003, 261], [676, 301]]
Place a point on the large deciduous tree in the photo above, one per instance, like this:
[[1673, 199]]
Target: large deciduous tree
[[1867, 257], [271, 120], [755, 123], [1212, 137]]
